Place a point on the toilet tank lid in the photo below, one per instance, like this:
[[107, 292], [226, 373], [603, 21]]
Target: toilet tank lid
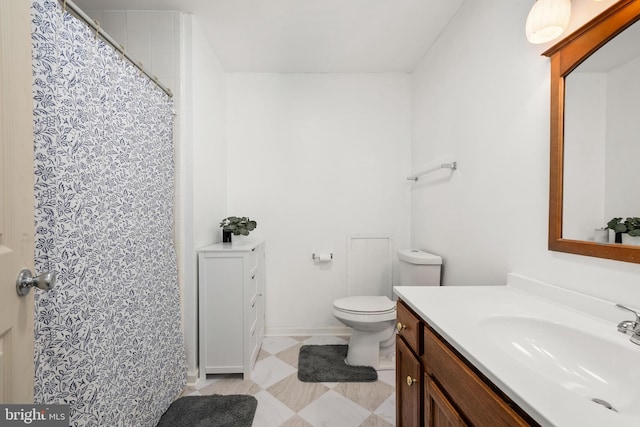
[[416, 256]]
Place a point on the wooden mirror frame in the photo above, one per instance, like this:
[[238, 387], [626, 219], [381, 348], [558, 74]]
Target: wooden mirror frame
[[565, 57]]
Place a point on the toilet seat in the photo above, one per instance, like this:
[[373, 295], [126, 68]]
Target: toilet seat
[[365, 305]]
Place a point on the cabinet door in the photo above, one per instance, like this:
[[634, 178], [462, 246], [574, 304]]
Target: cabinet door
[[438, 411], [407, 387], [221, 313]]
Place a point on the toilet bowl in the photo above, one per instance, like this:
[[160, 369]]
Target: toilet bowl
[[372, 319]]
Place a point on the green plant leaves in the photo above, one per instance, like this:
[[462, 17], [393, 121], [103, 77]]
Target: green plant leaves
[[238, 225], [630, 225]]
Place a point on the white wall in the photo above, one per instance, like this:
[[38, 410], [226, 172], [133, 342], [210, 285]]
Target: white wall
[[463, 216], [623, 149], [585, 155], [205, 168], [313, 158], [482, 96]]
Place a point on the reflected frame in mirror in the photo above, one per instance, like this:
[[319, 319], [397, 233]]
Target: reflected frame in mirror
[[565, 57]]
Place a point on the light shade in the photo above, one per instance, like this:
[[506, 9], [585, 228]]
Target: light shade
[[547, 20]]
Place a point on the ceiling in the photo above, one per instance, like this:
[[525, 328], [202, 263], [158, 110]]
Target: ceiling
[[287, 36]]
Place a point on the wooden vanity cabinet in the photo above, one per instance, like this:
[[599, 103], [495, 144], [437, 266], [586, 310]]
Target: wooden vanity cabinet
[[451, 392]]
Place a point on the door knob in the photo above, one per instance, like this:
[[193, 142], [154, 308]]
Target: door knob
[[26, 281]]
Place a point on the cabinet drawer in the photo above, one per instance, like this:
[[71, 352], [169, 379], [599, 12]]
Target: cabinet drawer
[[472, 395], [408, 326]]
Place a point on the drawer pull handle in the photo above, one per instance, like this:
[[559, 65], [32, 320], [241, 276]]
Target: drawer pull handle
[[411, 381], [400, 327]]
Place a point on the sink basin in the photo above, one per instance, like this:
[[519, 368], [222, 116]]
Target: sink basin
[[598, 369]]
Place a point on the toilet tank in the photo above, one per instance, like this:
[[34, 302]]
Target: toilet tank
[[419, 268]]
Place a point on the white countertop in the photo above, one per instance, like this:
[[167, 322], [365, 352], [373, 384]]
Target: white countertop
[[456, 313], [238, 245]]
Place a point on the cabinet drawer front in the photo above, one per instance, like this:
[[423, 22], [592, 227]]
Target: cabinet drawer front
[[475, 399], [408, 326]]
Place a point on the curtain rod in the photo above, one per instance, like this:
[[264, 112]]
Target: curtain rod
[[70, 5]]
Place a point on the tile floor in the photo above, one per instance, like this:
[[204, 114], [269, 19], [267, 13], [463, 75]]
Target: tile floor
[[285, 401]]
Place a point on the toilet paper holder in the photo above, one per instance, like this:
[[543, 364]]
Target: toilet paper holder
[[319, 258]]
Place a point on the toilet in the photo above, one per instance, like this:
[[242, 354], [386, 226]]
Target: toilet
[[373, 318]]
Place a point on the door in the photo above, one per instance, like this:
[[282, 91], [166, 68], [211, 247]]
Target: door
[[16, 202]]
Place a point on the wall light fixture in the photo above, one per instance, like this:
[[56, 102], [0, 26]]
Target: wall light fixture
[[547, 20]]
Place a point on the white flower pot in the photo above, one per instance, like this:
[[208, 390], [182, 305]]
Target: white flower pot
[[601, 235]]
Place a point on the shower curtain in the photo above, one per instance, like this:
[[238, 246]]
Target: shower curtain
[[108, 338]]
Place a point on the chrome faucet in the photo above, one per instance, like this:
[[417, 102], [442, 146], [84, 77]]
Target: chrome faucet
[[630, 327]]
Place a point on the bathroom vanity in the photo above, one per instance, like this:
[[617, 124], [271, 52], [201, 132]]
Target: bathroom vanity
[[436, 386], [231, 292], [525, 354]]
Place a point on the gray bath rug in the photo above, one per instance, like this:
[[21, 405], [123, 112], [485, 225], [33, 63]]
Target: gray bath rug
[[326, 364], [210, 411]]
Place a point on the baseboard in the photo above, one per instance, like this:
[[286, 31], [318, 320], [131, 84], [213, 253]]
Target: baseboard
[[298, 332], [192, 377]]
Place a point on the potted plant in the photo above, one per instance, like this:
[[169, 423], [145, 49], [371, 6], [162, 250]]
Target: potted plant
[[632, 236], [240, 226], [627, 231], [618, 227]]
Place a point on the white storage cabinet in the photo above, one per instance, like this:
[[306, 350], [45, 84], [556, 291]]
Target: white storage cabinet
[[231, 278]]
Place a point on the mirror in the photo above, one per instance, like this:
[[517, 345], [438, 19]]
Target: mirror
[[595, 133], [601, 138]]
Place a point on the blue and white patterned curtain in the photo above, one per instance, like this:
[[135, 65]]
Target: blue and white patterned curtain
[[108, 338]]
